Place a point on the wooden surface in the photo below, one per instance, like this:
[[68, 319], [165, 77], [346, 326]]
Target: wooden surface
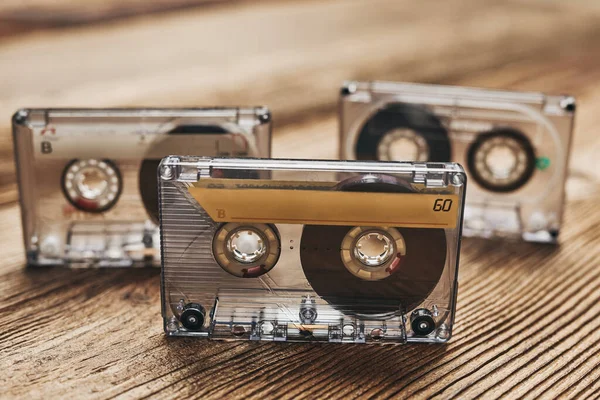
[[528, 319], [20, 16]]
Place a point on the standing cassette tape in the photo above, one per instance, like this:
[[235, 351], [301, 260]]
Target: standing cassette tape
[[88, 177], [515, 147], [302, 250]]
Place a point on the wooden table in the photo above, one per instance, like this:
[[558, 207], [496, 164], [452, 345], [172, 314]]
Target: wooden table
[[528, 319]]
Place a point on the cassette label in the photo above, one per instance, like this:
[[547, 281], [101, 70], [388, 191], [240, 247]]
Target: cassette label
[[322, 207], [125, 142]]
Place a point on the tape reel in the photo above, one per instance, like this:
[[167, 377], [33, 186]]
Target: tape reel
[[501, 160], [403, 132], [92, 185], [246, 250], [375, 271]]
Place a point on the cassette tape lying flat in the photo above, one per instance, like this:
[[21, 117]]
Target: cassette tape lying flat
[[88, 180], [515, 147], [304, 250]]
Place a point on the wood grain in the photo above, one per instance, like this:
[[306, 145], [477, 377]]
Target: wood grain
[[22, 16], [528, 318]]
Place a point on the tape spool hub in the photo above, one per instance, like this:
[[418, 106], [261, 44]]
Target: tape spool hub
[[378, 271], [246, 250], [92, 185], [403, 144], [372, 253], [246, 245], [502, 160], [373, 249]]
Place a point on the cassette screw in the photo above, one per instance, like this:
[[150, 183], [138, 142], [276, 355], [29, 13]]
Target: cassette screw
[[457, 180], [172, 326], [238, 330], [21, 116], [568, 103], [50, 246], [348, 330], [377, 334], [166, 173], [265, 115], [308, 310], [443, 332], [349, 88], [266, 328]]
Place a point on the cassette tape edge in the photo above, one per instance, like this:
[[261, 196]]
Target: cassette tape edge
[[20, 126]]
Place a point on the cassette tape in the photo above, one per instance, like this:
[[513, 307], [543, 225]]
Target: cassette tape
[[514, 146], [88, 177], [304, 250]]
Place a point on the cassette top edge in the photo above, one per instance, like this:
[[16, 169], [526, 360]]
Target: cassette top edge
[[475, 93], [308, 164], [28, 115]]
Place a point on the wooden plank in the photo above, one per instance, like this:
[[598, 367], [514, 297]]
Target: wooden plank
[[18, 17], [49, 9], [528, 318], [519, 331]]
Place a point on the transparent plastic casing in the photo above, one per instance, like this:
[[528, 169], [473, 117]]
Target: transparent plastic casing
[[87, 177], [303, 289], [496, 135]]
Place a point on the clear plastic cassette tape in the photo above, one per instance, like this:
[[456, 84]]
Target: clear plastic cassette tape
[[88, 177], [305, 250], [514, 146]]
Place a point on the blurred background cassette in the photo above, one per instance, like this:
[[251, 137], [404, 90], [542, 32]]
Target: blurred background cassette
[[514, 145], [88, 177]]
